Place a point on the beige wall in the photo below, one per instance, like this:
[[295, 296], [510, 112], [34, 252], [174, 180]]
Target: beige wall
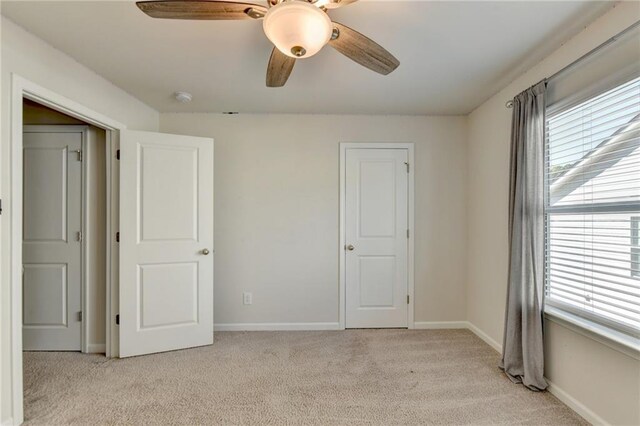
[[603, 379], [35, 60], [276, 211]]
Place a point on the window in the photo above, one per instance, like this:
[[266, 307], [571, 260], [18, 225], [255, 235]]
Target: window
[[592, 208]]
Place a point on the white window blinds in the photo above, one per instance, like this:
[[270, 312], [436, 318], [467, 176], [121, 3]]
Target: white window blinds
[[592, 212]]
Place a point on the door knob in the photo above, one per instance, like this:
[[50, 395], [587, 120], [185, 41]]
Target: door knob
[[205, 251], [350, 247]]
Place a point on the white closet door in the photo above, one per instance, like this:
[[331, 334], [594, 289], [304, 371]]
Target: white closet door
[[166, 242], [376, 238], [51, 248]]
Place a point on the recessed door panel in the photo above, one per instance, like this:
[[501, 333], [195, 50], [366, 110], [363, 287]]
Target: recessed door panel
[[44, 294], [376, 197], [376, 204], [377, 276], [166, 242], [168, 193], [51, 249], [168, 295], [45, 178]]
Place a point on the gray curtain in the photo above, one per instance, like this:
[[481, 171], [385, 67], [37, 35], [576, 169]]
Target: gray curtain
[[522, 346]]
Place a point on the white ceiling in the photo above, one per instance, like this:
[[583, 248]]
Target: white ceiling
[[453, 55]]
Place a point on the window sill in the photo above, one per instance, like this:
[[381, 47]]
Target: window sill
[[621, 342]]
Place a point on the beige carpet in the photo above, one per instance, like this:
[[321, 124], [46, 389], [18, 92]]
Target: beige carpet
[[316, 377]]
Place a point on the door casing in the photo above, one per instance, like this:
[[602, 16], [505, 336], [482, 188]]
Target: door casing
[[344, 146]]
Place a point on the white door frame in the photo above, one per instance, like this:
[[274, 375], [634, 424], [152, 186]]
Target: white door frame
[[409, 146], [23, 88]]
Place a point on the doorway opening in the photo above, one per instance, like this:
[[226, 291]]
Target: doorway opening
[[64, 232], [12, 241]]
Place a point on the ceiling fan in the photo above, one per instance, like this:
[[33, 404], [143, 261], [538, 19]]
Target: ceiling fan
[[297, 28]]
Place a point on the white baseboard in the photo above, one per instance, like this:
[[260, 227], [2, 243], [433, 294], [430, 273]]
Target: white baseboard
[[96, 348], [575, 405], [8, 422], [278, 326], [437, 325], [484, 336], [310, 326]]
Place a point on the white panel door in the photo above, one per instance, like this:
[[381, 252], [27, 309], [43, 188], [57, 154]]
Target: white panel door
[[51, 250], [166, 242], [376, 238]]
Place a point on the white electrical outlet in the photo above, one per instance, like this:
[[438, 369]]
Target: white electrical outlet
[[247, 298]]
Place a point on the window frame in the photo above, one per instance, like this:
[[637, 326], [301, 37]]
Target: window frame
[[581, 318]]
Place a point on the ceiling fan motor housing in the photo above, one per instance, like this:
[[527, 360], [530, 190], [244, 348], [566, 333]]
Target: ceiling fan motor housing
[[297, 28]]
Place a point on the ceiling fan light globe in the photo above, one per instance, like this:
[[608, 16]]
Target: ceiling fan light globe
[[297, 26]]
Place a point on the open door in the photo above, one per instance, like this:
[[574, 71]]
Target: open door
[[166, 242]]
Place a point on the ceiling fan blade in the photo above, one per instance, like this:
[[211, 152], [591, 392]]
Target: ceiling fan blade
[[279, 68], [334, 4], [363, 50], [201, 9]]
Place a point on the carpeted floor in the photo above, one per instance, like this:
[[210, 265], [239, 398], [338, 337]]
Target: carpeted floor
[[315, 377]]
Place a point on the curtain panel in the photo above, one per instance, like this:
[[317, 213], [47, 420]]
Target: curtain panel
[[522, 347]]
